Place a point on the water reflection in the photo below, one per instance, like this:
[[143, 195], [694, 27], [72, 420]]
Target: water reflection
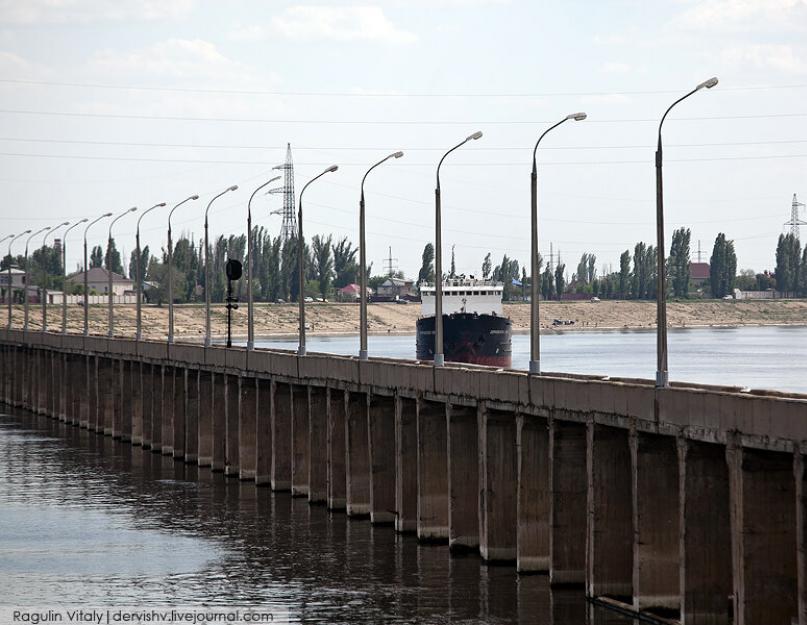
[[87, 519]]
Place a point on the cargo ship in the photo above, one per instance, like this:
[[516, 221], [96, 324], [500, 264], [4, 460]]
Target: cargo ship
[[474, 329]]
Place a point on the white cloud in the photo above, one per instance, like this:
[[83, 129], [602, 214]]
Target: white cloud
[[66, 11], [743, 14], [347, 23], [777, 57], [609, 40]]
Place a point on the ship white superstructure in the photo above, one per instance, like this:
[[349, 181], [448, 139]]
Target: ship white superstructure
[[483, 297]]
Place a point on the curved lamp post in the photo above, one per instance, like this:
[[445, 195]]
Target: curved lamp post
[[301, 260], [110, 332], [64, 271], [662, 375], [439, 357], [86, 270], [10, 285], [139, 270], [45, 278], [171, 271], [250, 317], [535, 276], [207, 265], [363, 263], [25, 293]]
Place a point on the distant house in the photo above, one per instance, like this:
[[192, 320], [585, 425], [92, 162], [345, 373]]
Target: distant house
[[352, 292], [98, 281], [395, 288], [698, 274], [17, 283]]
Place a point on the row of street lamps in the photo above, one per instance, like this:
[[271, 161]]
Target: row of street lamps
[[662, 376]]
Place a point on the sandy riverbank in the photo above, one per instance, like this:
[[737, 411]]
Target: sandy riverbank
[[333, 318]]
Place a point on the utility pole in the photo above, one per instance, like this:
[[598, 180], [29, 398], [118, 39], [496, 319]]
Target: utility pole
[[699, 250], [795, 222], [391, 264]]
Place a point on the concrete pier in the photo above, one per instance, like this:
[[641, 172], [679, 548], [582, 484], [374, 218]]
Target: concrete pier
[[686, 503], [432, 469], [336, 462], [381, 449], [357, 456]]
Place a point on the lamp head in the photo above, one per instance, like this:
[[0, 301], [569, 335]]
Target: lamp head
[[233, 188], [160, 204], [133, 209], [332, 168], [475, 136], [397, 155], [578, 117], [83, 221], [194, 197], [708, 84], [64, 223], [27, 232]]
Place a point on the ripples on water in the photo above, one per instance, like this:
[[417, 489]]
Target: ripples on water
[[84, 519]]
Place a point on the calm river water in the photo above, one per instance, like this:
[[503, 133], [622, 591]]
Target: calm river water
[[88, 521], [757, 357]]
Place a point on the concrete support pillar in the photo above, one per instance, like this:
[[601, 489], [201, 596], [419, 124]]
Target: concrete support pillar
[[247, 432], [59, 387], [406, 465], [534, 494], [263, 433], [609, 559], [147, 388], [705, 537], [118, 398], [85, 397], [800, 475], [337, 479], [44, 382], [656, 532], [192, 417], [107, 384], [156, 408], [168, 412], [136, 373], [179, 398], [219, 423], [281, 436], [317, 444], [205, 447], [299, 441], [498, 485], [764, 545], [567, 538], [381, 448], [127, 400], [357, 455], [232, 409], [463, 477], [432, 467]]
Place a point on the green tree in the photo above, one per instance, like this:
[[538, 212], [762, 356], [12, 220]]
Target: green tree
[[624, 274], [678, 268], [112, 259], [639, 278], [548, 284], [560, 279], [722, 267], [426, 273], [145, 260], [344, 263], [487, 265], [322, 262], [97, 256], [453, 272], [788, 259]]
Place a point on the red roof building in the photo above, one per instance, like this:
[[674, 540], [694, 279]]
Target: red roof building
[[698, 273]]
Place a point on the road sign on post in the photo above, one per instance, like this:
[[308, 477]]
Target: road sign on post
[[234, 270]]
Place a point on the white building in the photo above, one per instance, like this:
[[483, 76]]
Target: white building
[[98, 281], [17, 283]]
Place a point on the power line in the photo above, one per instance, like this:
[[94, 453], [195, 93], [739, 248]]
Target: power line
[[377, 94], [380, 149], [324, 163], [398, 122]]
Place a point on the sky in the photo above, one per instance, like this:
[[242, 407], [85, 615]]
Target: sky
[[108, 104]]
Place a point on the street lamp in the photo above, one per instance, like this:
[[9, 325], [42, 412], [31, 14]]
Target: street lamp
[[171, 271], [10, 284], [535, 279], [139, 269], [363, 263], [111, 315], [250, 319], [86, 271], [439, 358], [207, 266], [25, 293], [64, 270], [45, 276], [662, 375], [301, 260]]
